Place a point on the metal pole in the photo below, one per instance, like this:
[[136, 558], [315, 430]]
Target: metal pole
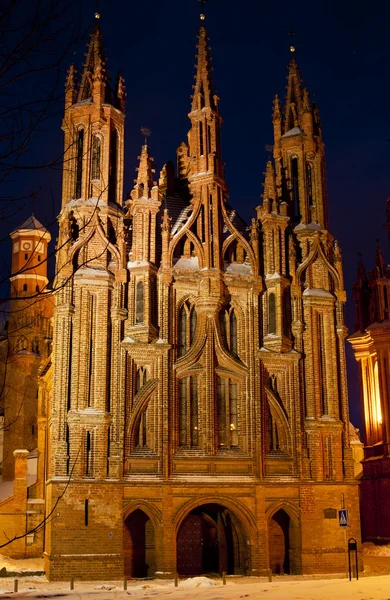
[[345, 541], [176, 580], [16, 583], [223, 577], [125, 583], [269, 575], [71, 583]]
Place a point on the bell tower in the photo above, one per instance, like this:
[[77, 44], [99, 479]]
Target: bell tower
[[28, 339], [90, 270]]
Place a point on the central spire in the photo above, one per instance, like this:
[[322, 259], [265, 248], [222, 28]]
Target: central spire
[[204, 93], [204, 135]]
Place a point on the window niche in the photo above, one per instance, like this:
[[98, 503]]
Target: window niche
[[96, 156], [79, 163], [186, 327], [139, 303], [227, 413], [271, 313], [188, 412], [228, 326]]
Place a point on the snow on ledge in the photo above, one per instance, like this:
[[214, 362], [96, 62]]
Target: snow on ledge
[[191, 263], [238, 268], [318, 292]]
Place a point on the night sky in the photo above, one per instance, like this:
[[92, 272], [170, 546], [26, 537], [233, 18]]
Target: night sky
[[343, 53]]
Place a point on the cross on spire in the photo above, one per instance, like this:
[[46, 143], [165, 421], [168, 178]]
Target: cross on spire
[[146, 133]]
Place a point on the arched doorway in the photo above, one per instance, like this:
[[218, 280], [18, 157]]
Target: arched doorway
[[279, 543], [211, 540], [138, 545], [285, 543]]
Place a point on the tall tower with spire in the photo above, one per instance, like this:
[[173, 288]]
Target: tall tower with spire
[[198, 419], [27, 340]]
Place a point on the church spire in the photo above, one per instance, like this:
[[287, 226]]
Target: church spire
[[293, 105], [144, 181], [204, 136], [204, 93], [94, 81]]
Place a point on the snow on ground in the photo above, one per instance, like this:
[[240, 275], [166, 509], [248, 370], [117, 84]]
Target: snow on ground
[[252, 588], [27, 564], [371, 549]]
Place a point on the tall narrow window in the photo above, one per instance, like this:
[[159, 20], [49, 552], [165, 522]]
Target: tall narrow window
[[183, 411], [271, 313], [153, 301], [79, 162], [228, 325], [186, 327], [309, 183], [96, 151], [92, 342], [322, 364], [139, 303], [194, 411], [208, 139], [113, 166], [291, 120], [227, 397], [193, 320], [233, 332], [201, 138], [295, 188], [88, 454], [183, 331], [188, 412]]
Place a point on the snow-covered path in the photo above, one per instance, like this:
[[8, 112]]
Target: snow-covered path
[[252, 588]]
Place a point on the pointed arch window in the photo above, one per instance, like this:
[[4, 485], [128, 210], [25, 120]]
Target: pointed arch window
[[295, 187], [187, 327], [113, 166], [188, 412], [139, 303], [228, 325], [227, 412], [271, 313], [309, 183], [142, 377], [79, 163], [96, 154]]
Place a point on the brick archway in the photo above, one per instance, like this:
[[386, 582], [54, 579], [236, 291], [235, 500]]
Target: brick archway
[[284, 541], [211, 539], [139, 545]]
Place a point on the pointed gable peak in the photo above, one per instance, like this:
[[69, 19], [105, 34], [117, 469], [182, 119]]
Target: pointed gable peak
[[144, 182], [204, 94]]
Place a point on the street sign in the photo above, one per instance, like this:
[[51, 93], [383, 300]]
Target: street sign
[[343, 517]]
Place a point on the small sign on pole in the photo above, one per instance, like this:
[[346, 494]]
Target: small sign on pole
[[343, 517]]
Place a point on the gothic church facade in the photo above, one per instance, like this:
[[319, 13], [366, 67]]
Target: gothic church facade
[[196, 410]]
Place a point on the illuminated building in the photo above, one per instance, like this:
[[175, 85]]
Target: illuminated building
[[197, 409], [371, 345]]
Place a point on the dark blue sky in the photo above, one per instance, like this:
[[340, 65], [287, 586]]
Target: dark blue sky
[[343, 53]]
